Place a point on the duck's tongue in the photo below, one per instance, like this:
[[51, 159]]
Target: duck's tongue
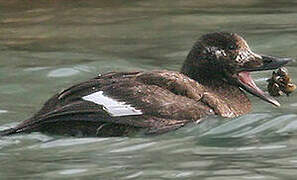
[[248, 84]]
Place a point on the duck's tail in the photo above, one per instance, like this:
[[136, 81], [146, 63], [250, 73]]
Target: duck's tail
[[21, 128], [24, 127], [7, 132]]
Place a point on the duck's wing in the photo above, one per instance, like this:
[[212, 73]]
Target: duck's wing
[[159, 101]]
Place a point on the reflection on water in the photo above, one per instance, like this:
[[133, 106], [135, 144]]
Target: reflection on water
[[49, 45]]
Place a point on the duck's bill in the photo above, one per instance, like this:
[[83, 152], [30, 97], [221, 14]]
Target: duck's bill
[[247, 83], [269, 63]]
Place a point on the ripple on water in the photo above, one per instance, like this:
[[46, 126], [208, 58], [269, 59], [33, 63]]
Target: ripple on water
[[134, 147], [236, 124], [29, 19], [12, 89], [63, 72], [134, 175], [21, 139], [72, 171], [68, 142], [254, 124], [3, 111], [32, 69]]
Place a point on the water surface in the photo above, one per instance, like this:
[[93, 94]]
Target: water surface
[[49, 45]]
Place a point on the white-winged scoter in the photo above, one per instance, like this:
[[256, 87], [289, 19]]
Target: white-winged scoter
[[211, 82]]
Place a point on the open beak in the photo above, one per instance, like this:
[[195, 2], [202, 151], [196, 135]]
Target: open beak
[[246, 82]]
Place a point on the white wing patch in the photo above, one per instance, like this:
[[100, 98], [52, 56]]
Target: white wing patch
[[113, 107]]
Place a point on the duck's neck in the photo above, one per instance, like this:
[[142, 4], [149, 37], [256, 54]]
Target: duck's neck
[[225, 93]]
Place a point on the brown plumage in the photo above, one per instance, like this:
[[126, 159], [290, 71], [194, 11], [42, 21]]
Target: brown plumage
[[121, 103]]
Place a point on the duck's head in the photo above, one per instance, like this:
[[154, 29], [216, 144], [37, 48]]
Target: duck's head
[[227, 56]]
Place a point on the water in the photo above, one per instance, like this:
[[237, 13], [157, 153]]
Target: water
[[49, 45]]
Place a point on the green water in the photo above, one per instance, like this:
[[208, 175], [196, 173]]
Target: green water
[[48, 45]]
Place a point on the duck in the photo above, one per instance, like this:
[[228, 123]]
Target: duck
[[213, 81]]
